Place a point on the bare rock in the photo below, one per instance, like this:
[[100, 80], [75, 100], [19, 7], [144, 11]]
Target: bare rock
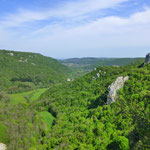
[[11, 54], [114, 87], [98, 75], [2, 146], [147, 59], [68, 80], [20, 60]]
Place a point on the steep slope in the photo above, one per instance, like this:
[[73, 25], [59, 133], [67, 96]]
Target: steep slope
[[81, 117], [21, 69], [85, 121]]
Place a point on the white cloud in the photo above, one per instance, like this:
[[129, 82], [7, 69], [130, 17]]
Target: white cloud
[[100, 36], [106, 33], [105, 26], [23, 16], [76, 10], [81, 7]]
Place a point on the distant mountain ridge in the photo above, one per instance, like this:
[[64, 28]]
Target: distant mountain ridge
[[89, 63]]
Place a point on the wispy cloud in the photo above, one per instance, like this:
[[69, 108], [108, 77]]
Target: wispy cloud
[[74, 10], [71, 30], [21, 17]]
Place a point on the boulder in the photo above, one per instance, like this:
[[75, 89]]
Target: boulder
[[11, 54], [147, 59], [68, 80], [98, 75], [114, 87], [2, 146]]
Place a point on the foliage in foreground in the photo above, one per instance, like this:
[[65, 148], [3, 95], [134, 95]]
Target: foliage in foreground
[[83, 121]]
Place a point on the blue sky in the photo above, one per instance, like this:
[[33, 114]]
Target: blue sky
[[76, 28]]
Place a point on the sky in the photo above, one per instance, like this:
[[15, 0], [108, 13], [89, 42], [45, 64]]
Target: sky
[[76, 28]]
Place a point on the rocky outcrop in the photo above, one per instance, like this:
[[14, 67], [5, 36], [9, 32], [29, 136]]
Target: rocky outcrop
[[147, 59], [2, 146], [114, 87], [11, 54], [98, 75]]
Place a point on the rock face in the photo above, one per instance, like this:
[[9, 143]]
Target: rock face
[[147, 59], [114, 87], [98, 75], [2, 146], [11, 54]]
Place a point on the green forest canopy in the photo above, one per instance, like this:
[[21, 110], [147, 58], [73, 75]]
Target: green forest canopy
[[74, 115], [21, 70]]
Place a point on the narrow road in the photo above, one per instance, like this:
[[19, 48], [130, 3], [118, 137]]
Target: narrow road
[[2, 146]]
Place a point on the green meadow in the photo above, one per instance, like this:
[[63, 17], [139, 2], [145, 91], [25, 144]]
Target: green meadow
[[26, 96], [47, 118]]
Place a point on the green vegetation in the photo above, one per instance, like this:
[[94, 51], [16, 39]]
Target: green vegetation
[[21, 72], [75, 116], [82, 66], [84, 121], [26, 96], [48, 119], [25, 127], [3, 133]]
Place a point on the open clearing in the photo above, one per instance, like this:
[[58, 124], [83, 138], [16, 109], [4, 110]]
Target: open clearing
[[23, 97], [48, 119]]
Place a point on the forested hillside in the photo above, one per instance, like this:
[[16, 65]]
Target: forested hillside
[[75, 115], [85, 121], [21, 70], [87, 64], [90, 63]]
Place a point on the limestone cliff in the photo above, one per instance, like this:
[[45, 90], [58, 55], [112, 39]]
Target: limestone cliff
[[114, 87], [147, 59], [2, 146]]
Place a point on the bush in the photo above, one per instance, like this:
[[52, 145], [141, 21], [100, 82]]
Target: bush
[[120, 143], [3, 134]]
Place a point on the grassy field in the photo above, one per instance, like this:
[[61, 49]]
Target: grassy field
[[26, 96], [48, 118], [33, 96]]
